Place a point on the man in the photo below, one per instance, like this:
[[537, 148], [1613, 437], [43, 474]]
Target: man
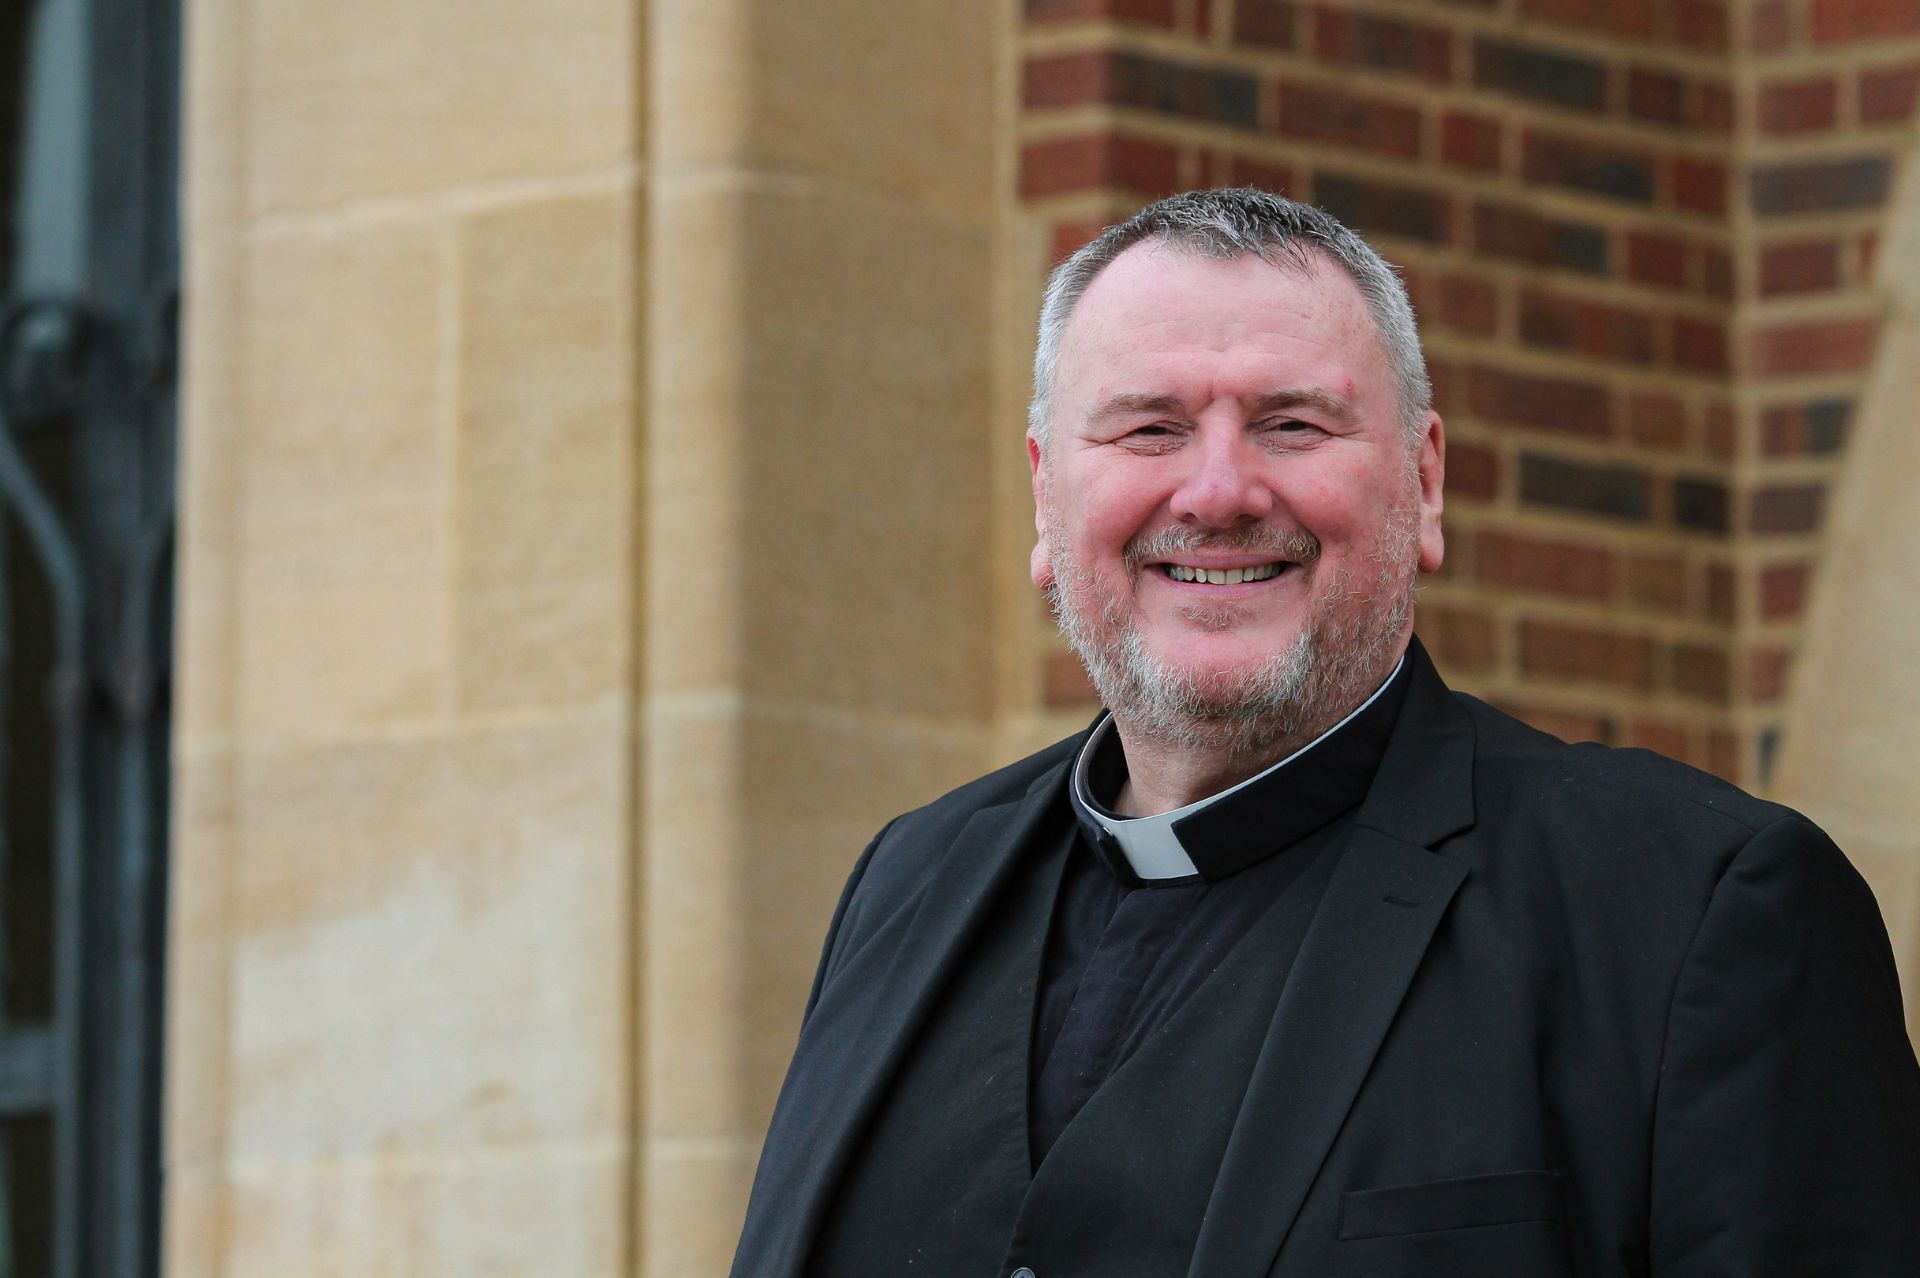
[[1297, 963]]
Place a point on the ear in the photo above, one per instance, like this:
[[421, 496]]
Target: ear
[[1040, 563], [1433, 474]]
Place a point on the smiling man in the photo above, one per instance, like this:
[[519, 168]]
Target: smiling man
[[1297, 963]]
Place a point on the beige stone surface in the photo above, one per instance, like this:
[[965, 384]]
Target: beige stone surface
[[742, 882], [835, 468], [696, 1196], [430, 944], [360, 98], [546, 449], [520, 1212], [343, 555], [892, 101]]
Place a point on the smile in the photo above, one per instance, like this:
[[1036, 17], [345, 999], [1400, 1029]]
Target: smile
[[1223, 576]]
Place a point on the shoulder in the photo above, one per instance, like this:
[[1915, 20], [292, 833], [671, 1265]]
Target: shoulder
[[1521, 772]]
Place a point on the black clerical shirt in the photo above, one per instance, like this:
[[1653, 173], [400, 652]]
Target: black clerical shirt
[[1123, 954]]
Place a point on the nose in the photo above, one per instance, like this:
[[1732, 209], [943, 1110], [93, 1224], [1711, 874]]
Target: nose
[[1225, 484]]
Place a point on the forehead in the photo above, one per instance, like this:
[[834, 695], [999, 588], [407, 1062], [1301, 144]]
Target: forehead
[[1159, 301]]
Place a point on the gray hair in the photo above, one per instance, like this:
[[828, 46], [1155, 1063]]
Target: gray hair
[[1230, 223]]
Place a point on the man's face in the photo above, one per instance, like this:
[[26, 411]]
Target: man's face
[[1230, 511]]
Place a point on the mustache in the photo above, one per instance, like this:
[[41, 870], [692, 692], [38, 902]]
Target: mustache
[[1295, 547]]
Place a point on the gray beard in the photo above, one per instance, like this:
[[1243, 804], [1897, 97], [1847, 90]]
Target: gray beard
[[1335, 663]]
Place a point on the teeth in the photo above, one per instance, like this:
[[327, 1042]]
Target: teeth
[[1223, 576]]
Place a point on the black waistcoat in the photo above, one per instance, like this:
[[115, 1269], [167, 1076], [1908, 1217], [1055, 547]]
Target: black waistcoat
[[939, 1183]]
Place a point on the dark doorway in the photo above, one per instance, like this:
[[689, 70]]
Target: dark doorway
[[88, 268]]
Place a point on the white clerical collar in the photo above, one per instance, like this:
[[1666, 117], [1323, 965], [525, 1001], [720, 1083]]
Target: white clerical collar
[[1150, 844]]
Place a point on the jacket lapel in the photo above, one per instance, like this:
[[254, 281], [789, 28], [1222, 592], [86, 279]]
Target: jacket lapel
[[1381, 907], [866, 1017]]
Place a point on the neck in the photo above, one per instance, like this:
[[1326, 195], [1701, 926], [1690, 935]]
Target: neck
[[1165, 773], [1162, 776]]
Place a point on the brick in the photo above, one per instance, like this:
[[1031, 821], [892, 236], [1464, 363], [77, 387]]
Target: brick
[[1322, 114], [1767, 674], [1517, 561], [1817, 428], [1386, 208], [1816, 186], [1726, 755], [1869, 245], [1466, 303], [1063, 682], [1153, 13], [1799, 106], [1814, 346], [1787, 508], [1697, 186], [1614, 491], [1713, 110], [1598, 169], [1701, 505], [1385, 44], [1561, 405], [1568, 725], [1267, 176], [1097, 161], [1539, 75], [1660, 96], [1579, 327], [1069, 237], [1267, 23], [1716, 273], [1202, 21], [1522, 235], [1770, 29], [1783, 590], [1470, 141], [1067, 80], [1887, 95], [1720, 432], [1838, 21], [1700, 24], [1654, 257], [1799, 266], [1722, 593], [1147, 83], [1656, 420], [1698, 670], [1699, 345], [1585, 654], [1661, 736], [1457, 638], [1442, 377], [1619, 17], [1658, 582], [1473, 472]]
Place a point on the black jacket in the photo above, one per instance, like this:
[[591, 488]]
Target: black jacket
[[1561, 1010]]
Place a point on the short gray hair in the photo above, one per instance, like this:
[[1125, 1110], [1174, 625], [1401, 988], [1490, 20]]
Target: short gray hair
[[1230, 223]]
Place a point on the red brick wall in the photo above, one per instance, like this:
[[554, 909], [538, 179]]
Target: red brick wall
[[1639, 235]]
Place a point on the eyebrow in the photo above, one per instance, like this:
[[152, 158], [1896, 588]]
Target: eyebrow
[[1332, 405]]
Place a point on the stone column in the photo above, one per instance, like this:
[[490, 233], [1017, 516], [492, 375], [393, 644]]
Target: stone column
[[402, 989], [819, 522]]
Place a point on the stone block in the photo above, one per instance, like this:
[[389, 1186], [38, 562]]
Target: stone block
[[359, 98], [431, 943], [755, 815], [545, 1211], [781, 88], [342, 573], [545, 490], [696, 1197], [822, 371]]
